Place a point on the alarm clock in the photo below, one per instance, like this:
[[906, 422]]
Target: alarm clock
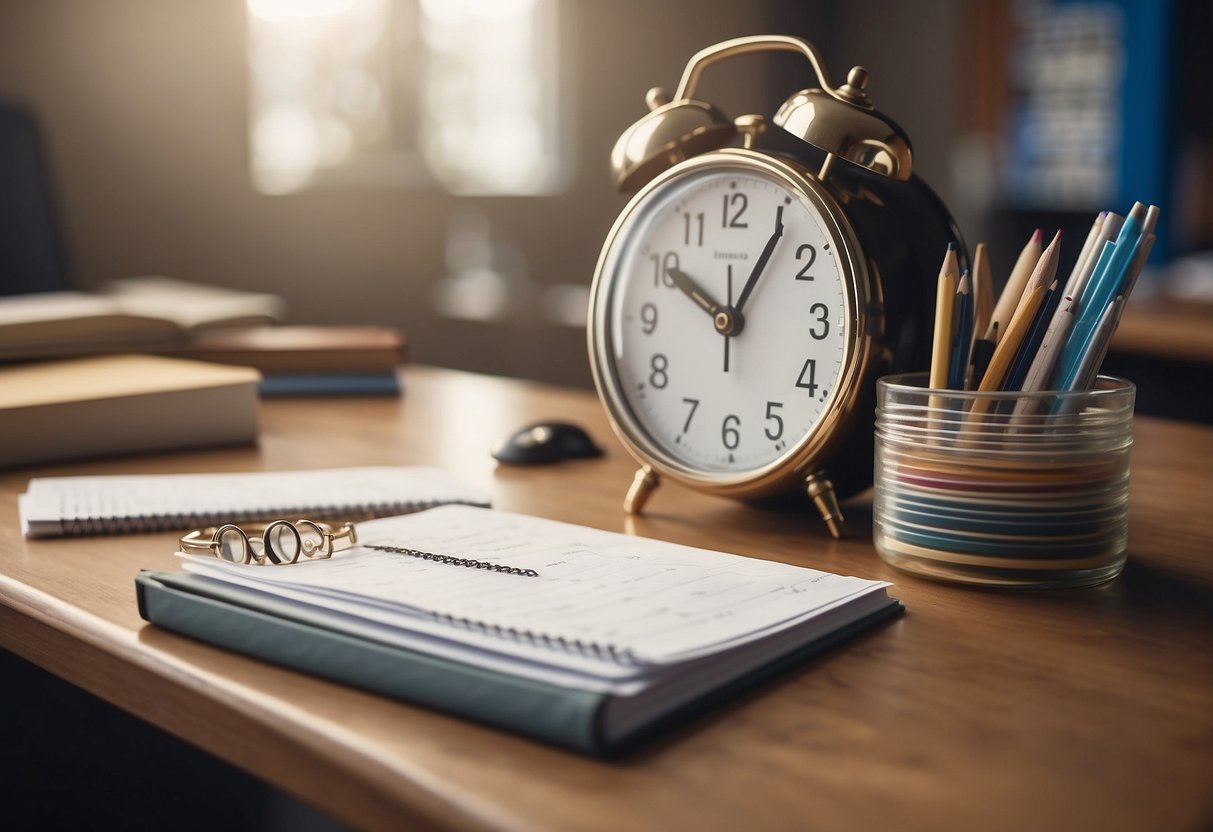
[[760, 280]]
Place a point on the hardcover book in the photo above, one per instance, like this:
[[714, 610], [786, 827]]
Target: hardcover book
[[120, 404], [147, 314]]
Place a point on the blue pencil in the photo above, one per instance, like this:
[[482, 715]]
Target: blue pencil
[[962, 336], [1036, 335]]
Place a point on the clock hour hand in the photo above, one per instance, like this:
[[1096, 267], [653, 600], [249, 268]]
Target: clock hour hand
[[687, 285], [767, 250], [726, 319]]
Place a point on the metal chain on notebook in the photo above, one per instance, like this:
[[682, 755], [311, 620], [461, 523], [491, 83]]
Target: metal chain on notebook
[[451, 560]]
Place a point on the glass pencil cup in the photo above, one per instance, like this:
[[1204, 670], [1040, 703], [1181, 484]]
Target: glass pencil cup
[[1003, 489]]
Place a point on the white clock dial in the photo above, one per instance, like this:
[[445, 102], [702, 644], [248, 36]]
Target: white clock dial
[[726, 319]]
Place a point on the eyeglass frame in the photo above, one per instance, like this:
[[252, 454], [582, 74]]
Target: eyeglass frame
[[192, 543]]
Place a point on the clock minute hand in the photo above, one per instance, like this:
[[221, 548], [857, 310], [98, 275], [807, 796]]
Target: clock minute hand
[[767, 250]]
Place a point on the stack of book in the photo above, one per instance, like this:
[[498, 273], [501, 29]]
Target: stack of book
[[309, 360], [145, 314], [117, 404], [163, 316]]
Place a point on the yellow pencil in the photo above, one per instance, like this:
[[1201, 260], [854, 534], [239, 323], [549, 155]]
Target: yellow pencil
[[1012, 293], [945, 299], [1021, 322], [983, 293]]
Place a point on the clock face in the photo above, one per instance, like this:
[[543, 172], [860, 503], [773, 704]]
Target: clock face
[[725, 313]]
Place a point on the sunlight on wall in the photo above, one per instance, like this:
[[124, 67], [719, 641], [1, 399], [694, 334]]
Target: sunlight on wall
[[489, 101], [462, 93]]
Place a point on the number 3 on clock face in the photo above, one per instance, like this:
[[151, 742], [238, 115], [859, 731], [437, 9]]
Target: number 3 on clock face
[[724, 318]]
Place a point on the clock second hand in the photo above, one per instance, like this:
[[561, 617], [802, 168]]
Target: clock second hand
[[729, 300]]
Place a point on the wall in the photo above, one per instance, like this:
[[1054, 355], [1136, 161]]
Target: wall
[[144, 106]]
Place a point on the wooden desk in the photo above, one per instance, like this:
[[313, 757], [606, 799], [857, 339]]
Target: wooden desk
[[977, 709], [1168, 329]]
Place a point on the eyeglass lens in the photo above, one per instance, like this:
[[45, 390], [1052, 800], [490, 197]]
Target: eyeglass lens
[[282, 542], [312, 539], [233, 545]]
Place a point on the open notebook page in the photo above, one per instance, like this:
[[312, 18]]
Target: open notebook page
[[651, 601]]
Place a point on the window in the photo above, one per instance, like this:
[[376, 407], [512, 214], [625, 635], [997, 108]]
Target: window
[[460, 94]]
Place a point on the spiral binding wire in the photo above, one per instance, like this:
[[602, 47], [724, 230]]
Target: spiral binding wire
[[590, 649]]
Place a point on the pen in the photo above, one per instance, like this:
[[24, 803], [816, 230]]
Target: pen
[[1088, 367], [1087, 246], [1126, 251], [1101, 339], [945, 298], [1041, 371], [1071, 350], [1139, 261], [1105, 228], [962, 339], [1144, 244], [1105, 283]]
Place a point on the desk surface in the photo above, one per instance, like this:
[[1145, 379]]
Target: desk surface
[[977, 709], [1169, 329]]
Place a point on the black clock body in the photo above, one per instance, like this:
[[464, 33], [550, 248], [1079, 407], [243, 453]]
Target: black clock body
[[903, 229]]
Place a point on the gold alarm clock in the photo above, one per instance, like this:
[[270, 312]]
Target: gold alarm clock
[[758, 283]]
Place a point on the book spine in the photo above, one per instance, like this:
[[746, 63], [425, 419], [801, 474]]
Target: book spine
[[96, 525], [247, 623]]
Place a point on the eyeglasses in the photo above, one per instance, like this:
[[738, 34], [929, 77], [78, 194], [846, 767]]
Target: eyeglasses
[[270, 544]]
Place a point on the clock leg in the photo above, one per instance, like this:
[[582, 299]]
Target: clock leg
[[821, 491], [643, 485]]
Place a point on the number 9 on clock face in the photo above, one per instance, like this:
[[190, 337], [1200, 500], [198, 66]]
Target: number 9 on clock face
[[725, 327]]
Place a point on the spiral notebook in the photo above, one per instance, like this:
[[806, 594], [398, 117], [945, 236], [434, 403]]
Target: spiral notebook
[[577, 636], [64, 506]]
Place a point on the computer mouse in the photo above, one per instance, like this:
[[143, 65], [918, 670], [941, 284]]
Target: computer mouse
[[543, 443]]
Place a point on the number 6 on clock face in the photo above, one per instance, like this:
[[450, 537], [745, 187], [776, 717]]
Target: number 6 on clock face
[[725, 328]]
